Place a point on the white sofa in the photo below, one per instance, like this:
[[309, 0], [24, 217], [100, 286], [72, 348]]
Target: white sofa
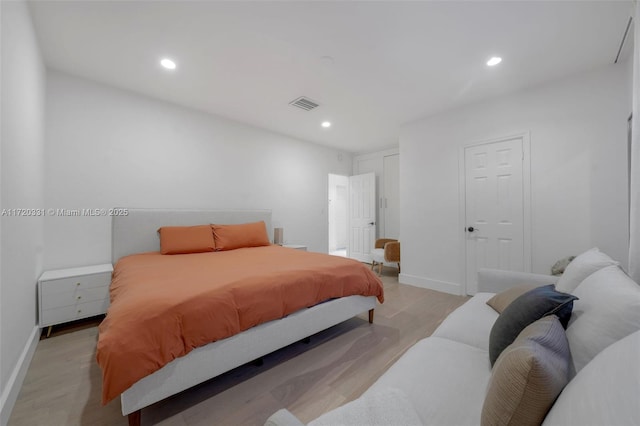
[[443, 379]]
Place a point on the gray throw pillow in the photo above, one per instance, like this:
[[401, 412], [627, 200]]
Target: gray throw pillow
[[529, 307]]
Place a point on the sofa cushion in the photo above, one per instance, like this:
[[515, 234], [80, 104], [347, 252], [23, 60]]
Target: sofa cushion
[[529, 307], [495, 280], [528, 376], [581, 267], [608, 310], [386, 406], [605, 391], [445, 380], [503, 299], [470, 323]]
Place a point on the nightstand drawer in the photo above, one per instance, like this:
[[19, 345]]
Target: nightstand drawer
[[73, 312], [57, 299], [71, 284]]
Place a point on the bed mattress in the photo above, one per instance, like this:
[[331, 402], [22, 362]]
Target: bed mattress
[[164, 306]]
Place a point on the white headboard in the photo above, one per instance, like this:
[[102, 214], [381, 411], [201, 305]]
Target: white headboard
[[137, 231]]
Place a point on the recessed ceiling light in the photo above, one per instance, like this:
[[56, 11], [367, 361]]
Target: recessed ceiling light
[[495, 60], [168, 64], [326, 124]]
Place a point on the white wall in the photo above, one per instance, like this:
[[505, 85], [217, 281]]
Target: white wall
[[22, 176], [578, 166], [107, 147]]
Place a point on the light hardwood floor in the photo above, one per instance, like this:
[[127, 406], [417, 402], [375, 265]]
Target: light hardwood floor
[[62, 386]]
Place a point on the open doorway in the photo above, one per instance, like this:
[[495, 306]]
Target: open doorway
[[338, 215]]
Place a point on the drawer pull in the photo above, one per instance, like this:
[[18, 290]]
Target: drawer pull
[[79, 297], [79, 311], [78, 284]]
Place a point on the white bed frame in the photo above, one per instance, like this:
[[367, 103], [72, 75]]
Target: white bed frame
[[136, 232]]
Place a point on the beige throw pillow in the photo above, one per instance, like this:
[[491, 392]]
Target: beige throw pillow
[[503, 299], [528, 376]]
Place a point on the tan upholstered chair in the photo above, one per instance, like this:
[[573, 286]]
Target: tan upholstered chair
[[386, 250]]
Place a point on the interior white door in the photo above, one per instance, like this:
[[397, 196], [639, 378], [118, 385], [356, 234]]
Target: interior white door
[[362, 216], [494, 208]]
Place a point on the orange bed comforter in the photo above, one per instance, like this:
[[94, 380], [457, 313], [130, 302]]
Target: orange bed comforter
[[162, 306]]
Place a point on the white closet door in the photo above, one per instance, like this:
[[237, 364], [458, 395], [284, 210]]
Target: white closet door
[[362, 216], [391, 199]]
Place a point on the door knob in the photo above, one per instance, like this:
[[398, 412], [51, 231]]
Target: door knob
[[372, 223], [471, 229]]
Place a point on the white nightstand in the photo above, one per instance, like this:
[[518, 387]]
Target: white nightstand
[[70, 294], [296, 246]]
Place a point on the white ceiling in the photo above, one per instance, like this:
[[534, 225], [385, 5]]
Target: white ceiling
[[393, 62]]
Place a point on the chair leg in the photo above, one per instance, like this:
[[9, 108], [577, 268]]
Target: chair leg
[[380, 268], [373, 264], [398, 267]]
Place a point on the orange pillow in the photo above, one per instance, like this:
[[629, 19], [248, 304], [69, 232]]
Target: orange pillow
[[229, 237], [186, 239]]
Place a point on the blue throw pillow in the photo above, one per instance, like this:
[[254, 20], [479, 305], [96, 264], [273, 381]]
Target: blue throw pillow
[[529, 307]]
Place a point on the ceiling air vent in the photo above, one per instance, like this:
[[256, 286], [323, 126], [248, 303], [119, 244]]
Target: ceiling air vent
[[304, 103]]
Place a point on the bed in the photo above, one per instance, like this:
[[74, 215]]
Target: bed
[[136, 233]]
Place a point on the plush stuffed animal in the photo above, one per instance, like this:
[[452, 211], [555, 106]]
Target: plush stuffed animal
[[559, 267]]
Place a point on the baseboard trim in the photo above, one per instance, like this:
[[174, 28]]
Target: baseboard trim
[[14, 384], [443, 286]]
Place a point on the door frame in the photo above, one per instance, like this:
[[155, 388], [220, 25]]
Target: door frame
[[526, 197]]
